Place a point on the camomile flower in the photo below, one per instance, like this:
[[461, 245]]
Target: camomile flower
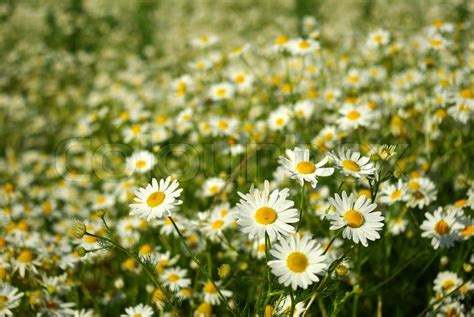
[[211, 295], [378, 38], [297, 261], [283, 308], [9, 299], [216, 224], [167, 227], [353, 117], [421, 192], [303, 109], [453, 309], [213, 186], [357, 217], [446, 282], [392, 193], [353, 164], [175, 279], [221, 91], [140, 162], [279, 118], [441, 228], [204, 41], [302, 46], [156, 198], [26, 260], [139, 310], [462, 111], [298, 164], [163, 260], [397, 225], [261, 212]]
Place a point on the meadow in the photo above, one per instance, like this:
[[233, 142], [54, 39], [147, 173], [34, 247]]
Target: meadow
[[236, 158]]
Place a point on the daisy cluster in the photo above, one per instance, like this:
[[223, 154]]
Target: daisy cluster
[[299, 177]]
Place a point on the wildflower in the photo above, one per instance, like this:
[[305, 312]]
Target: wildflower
[[298, 164], [261, 212], [441, 228], [298, 261], [156, 199], [357, 217]]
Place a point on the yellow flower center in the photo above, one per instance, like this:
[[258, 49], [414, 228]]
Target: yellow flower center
[[280, 121], [209, 288], [305, 167], [297, 262], [217, 224], [3, 301], [467, 231], [145, 249], [265, 215], [173, 277], [25, 256], [221, 92], [140, 164], [222, 125], [447, 285], [205, 309], [353, 115], [395, 195], [137, 315], [282, 39], [442, 227], [89, 239], [354, 218], [239, 79], [460, 203], [378, 38], [414, 185], [304, 45], [155, 199], [351, 165]]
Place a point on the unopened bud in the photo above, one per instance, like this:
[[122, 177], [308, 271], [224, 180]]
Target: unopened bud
[[224, 271], [101, 212], [357, 289], [78, 229], [81, 251]]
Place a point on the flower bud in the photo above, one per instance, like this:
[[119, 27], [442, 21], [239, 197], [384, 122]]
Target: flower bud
[[78, 229], [224, 271], [81, 251], [101, 212]]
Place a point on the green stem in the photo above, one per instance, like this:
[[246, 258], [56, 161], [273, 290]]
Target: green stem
[[201, 268]]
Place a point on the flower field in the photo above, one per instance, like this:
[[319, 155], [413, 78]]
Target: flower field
[[236, 158]]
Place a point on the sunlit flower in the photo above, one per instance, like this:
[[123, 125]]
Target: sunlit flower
[[297, 261]]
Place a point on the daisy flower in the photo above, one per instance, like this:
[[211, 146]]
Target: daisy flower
[[446, 282], [357, 217], [139, 310], [378, 38], [26, 260], [261, 212], [140, 162], [421, 192], [9, 299], [213, 186], [211, 295], [283, 308], [279, 118], [441, 228], [156, 198], [353, 164], [174, 278], [302, 46], [300, 167], [217, 223], [298, 261], [353, 116], [393, 193], [221, 91], [397, 225]]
